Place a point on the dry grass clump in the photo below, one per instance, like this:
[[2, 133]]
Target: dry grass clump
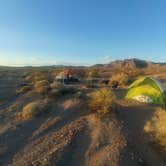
[[56, 89], [121, 79], [156, 128], [79, 95], [29, 78], [42, 76], [42, 89], [24, 89], [89, 85], [62, 90], [55, 85], [37, 75], [67, 90], [41, 83], [71, 103], [136, 73], [1, 75], [102, 100], [54, 93], [42, 86], [33, 109]]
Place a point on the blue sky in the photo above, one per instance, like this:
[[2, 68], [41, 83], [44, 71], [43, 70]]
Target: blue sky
[[45, 32]]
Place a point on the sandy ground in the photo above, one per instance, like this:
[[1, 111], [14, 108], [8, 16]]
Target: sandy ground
[[134, 116], [69, 135]]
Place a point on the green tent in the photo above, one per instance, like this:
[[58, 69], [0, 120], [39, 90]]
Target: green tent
[[147, 90]]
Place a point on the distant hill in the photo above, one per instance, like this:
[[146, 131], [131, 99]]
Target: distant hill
[[98, 65], [41, 67], [129, 63], [126, 63], [162, 64]]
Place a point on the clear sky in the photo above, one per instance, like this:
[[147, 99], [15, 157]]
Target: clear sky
[[45, 32]]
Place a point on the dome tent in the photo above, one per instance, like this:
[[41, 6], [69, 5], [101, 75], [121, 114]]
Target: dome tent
[[147, 90]]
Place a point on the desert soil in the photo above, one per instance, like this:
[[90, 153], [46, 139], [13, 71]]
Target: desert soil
[[70, 135]]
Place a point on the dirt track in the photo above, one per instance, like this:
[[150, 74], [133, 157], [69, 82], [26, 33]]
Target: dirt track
[[135, 115]]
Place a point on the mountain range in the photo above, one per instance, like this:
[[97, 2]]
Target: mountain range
[[126, 63]]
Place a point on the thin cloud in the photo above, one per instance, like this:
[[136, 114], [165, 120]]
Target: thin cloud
[[107, 57]]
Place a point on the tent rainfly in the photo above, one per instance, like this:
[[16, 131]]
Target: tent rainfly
[[147, 90]]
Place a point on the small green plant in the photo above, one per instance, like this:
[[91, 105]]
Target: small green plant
[[102, 100]]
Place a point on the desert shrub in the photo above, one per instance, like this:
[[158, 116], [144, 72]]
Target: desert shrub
[[67, 90], [121, 78], [24, 74], [29, 78], [55, 85], [41, 83], [55, 93], [156, 129], [79, 95], [33, 109], [42, 89], [91, 85], [62, 91], [1, 75], [24, 89], [136, 72], [101, 100], [41, 77], [71, 103], [94, 72], [79, 73], [37, 75], [42, 86]]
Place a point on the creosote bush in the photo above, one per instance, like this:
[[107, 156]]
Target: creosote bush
[[91, 85], [55, 85], [61, 90], [67, 90], [122, 79], [42, 86], [102, 100], [24, 89], [79, 95], [33, 109], [156, 129], [41, 83]]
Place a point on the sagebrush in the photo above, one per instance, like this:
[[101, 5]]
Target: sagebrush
[[102, 100]]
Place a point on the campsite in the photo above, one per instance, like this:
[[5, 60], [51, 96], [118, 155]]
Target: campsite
[[82, 83], [90, 116]]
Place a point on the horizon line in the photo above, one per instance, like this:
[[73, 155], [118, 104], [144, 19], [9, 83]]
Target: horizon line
[[75, 64]]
